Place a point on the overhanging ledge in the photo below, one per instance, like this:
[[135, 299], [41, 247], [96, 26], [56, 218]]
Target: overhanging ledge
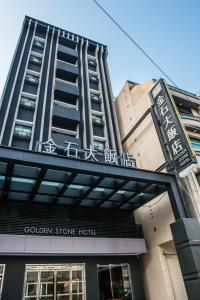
[[80, 182]]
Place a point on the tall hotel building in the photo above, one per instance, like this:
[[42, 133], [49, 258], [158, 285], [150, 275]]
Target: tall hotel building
[[67, 228], [58, 87]]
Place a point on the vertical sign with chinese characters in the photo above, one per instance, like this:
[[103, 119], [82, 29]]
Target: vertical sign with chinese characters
[[172, 129]]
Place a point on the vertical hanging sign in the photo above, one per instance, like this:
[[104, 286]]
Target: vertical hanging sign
[[172, 129]]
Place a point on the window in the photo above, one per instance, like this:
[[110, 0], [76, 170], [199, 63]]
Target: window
[[2, 270], [98, 145], [91, 49], [92, 62], [22, 132], [93, 78], [97, 120], [32, 79], [185, 111], [48, 282], [114, 282], [27, 103], [36, 60], [38, 44], [95, 98], [92, 65], [195, 144]]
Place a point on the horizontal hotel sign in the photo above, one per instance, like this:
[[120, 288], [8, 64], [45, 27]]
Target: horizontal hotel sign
[[172, 129], [38, 219], [59, 231], [72, 150]]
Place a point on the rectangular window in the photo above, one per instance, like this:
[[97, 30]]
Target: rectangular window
[[95, 98], [2, 271], [91, 49], [38, 44], [22, 132], [97, 120], [185, 111], [92, 65], [114, 282], [93, 78], [48, 282], [31, 79], [27, 103], [99, 145], [35, 60], [92, 62], [195, 144]]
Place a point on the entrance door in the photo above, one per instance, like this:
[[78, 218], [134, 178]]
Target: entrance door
[[54, 282], [114, 282]]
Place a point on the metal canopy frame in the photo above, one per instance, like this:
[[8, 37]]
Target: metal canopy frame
[[35, 176]]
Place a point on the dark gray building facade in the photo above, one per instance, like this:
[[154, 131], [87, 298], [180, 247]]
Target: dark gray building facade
[[58, 87]]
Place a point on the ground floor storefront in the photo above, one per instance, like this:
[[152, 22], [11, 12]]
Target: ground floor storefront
[[70, 278]]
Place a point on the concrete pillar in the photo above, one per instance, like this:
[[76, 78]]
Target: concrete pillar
[[186, 234]]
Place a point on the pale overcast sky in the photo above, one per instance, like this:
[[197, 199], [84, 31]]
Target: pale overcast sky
[[167, 30]]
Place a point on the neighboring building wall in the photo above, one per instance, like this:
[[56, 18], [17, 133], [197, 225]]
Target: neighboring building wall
[[161, 272]]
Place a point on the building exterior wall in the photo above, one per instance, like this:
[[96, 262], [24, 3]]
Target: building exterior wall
[[58, 91], [53, 67], [143, 142]]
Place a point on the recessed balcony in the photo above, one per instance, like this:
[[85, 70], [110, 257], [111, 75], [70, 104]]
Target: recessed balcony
[[67, 72], [67, 54], [65, 114], [190, 121], [66, 92], [67, 42]]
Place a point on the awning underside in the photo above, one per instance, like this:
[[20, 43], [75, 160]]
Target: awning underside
[[41, 184]]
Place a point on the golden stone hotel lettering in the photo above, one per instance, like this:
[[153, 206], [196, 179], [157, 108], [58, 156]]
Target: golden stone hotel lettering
[[59, 231]]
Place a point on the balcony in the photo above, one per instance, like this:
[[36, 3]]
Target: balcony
[[185, 98], [66, 92], [97, 121], [65, 114], [59, 138], [65, 71], [190, 121], [22, 132], [67, 42], [67, 54]]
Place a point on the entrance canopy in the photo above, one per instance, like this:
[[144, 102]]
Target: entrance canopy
[[40, 177]]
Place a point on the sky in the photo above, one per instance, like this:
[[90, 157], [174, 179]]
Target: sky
[[167, 30]]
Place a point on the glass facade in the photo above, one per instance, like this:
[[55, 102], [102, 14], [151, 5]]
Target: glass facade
[[114, 282], [50, 282]]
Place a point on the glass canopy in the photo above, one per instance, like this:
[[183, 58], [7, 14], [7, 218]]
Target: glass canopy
[[38, 183]]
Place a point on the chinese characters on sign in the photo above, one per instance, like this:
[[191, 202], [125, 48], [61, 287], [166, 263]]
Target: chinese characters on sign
[[172, 129], [107, 156]]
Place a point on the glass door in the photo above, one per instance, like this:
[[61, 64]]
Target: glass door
[[114, 282], [54, 282]]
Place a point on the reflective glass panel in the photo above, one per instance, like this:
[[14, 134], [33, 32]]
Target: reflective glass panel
[[61, 282], [114, 282]]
